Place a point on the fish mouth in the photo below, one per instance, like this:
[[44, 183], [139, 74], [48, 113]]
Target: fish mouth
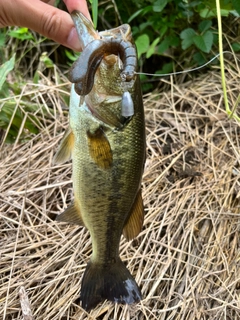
[[98, 46], [83, 70]]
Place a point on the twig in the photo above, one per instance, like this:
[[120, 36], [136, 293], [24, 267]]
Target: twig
[[25, 304]]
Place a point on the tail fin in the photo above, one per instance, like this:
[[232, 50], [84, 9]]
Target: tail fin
[[112, 282]]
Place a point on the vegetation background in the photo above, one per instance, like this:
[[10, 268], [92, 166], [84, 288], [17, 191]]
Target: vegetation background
[[170, 35], [187, 257]]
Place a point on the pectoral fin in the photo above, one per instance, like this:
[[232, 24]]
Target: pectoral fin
[[133, 225], [100, 149], [71, 215], [64, 151]]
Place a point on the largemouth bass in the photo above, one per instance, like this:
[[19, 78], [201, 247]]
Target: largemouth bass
[[106, 139]]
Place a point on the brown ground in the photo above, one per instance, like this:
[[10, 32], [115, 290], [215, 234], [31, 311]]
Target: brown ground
[[186, 259]]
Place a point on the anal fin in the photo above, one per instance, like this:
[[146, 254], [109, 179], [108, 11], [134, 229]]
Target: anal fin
[[134, 223], [100, 149], [65, 149], [71, 215]]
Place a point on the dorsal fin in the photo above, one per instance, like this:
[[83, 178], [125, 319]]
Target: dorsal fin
[[134, 223]]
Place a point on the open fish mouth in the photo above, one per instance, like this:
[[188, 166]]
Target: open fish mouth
[[92, 57]]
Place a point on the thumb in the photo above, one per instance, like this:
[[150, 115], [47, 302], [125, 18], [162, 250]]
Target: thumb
[[42, 18]]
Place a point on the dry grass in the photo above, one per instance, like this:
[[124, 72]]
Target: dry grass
[[187, 258]]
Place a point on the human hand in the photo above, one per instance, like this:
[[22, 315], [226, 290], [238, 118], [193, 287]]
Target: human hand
[[42, 17]]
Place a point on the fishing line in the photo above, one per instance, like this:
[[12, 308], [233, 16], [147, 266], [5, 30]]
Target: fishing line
[[185, 71]]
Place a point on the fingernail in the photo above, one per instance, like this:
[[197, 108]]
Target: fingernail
[[73, 40]]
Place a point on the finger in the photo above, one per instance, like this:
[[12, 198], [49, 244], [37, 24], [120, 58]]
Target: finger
[[42, 18], [51, 2], [80, 5]]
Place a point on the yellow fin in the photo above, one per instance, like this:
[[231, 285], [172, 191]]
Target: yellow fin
[[71, 215], [100, 149], [133, 225], [64, 150]]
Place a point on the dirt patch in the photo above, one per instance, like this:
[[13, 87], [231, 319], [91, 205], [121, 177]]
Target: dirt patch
[[187, 258]]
